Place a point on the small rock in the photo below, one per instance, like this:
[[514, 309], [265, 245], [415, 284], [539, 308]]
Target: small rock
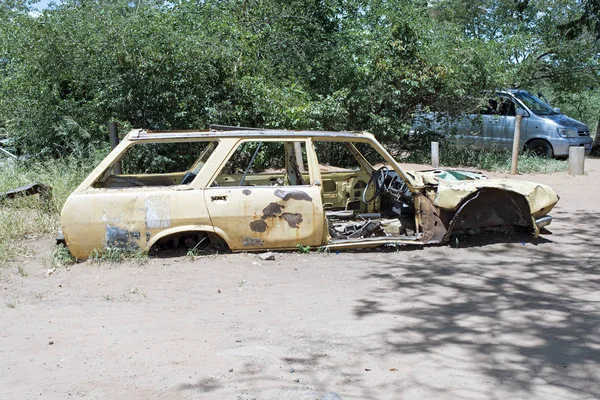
[[51, 342], [367, 369], [267, 256], [230, 369], [292, 370], [297, 380]]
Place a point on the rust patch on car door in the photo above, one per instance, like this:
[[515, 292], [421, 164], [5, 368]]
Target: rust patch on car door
[[272, 210], [287, 194], [275, 210], [258, 226], [292, 219]]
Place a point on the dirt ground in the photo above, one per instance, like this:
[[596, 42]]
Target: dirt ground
[[484, 318]]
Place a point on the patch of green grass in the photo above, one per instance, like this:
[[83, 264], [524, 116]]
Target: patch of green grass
[[60, 257], [21, 271], [323, 249], [117, 255], [303, 249], [496, 159], [9, 249]]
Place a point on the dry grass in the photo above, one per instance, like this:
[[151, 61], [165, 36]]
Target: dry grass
[[26, 216]]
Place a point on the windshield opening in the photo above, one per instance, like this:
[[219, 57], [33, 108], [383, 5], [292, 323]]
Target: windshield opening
[[536, 105]]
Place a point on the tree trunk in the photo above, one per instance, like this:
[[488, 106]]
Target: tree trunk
[[596, 144]]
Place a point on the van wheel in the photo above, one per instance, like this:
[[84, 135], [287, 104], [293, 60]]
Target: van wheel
[[540, 148]]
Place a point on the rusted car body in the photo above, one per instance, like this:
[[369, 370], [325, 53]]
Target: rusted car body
[[305, 201]]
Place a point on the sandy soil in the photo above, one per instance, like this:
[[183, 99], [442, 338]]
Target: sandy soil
[[486, 318]]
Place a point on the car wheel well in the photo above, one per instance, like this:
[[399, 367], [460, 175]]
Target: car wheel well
[[491, 209], [530, 145], [197, 241]]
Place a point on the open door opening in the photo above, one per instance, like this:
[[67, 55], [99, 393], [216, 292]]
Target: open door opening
[[364, 199]]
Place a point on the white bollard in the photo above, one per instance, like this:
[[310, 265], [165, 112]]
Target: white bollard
[[576, 160], [435, 154]]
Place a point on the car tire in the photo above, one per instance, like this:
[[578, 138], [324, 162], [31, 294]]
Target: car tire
[[540, 148]]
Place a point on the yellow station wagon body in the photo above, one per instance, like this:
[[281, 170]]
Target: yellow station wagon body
[[303, 201]]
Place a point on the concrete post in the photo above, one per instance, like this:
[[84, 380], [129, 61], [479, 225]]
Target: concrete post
[[576, 160], [435, 154], [516, 144]]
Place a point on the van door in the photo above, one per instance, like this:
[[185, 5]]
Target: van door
[[502, 126], [472, 130]]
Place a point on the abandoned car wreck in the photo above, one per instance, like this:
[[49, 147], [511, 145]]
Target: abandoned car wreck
[[253, 190]]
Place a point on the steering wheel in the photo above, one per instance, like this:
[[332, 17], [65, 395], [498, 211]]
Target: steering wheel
[[378, 179]]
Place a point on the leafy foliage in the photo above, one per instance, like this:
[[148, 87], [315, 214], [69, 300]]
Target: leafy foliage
[[328, 64]]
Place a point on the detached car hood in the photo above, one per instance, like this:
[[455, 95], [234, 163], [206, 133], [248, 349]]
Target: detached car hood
[[454, 186]]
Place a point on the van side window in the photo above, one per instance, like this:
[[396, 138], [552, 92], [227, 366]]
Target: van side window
[[507, 107], [501, 105], [491, 108]]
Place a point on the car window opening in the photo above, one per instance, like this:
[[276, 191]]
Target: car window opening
[[269, 163], [157, 164]]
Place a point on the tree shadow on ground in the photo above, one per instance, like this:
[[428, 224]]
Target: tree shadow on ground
[[525, 316]]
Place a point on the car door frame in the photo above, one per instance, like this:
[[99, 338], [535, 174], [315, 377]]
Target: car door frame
[[251, 218]]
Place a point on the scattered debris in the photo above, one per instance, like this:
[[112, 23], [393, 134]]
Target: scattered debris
[[50, 271], [44, 191], [8, 153], [270, 256], [354, 230]]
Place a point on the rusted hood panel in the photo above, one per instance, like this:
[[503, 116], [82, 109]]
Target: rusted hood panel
[[541, 198], [434, 176]]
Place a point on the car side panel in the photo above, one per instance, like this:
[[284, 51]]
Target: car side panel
[[128, 218]]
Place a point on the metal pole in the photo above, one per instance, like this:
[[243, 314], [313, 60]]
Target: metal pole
[[576, 160], [8, 153], [435, 154], [516, 143], [113, 133], [298, 154], [250, 163]]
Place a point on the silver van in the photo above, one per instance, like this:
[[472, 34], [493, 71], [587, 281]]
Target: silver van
[[544, 130]]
